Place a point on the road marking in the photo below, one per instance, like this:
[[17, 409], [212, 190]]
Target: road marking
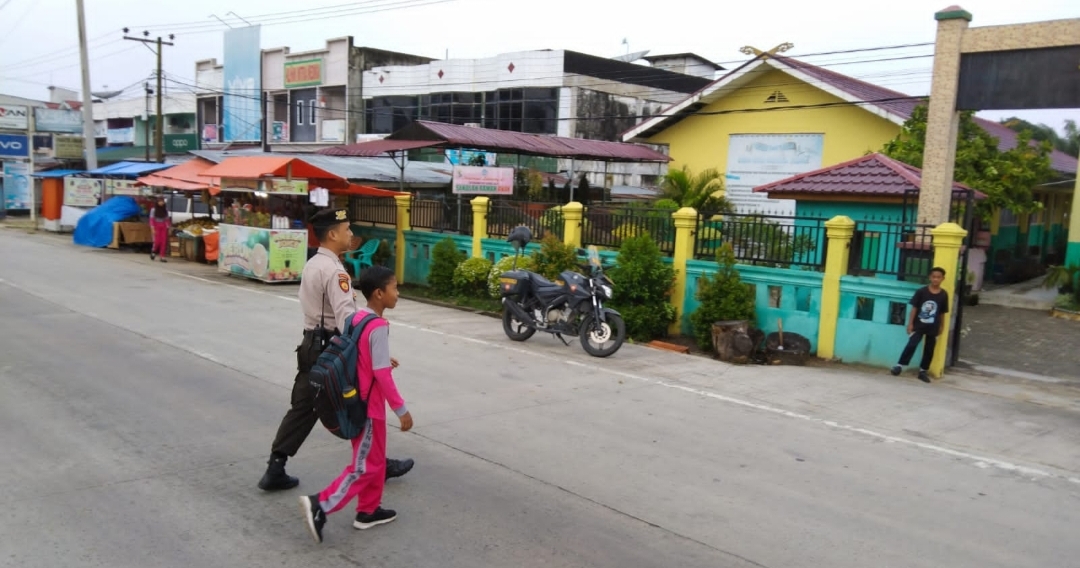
[[216, 283], [976, 460]]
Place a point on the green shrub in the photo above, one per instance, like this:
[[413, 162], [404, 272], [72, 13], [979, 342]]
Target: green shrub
[[643, 283], [505, 265], [629, 231], [382, 254], [554, 257], [470, 277], [445, 259], [723, 297]]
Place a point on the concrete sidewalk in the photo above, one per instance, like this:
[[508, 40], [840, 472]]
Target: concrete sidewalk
[[1025, 427]]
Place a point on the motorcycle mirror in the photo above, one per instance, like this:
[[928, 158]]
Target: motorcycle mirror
[[520, 237]]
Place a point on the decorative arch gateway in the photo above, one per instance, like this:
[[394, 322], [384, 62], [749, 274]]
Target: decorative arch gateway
[[1009, 67]]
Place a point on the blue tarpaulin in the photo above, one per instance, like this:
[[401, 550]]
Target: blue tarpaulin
[[131, 169], [95, 229]]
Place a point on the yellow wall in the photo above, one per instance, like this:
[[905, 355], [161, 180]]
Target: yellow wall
[[702, 141]]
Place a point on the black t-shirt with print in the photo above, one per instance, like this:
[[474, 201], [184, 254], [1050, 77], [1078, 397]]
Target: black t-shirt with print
[[929, 309]]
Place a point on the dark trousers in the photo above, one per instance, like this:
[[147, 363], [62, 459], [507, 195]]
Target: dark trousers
[[301, 417], [913, 344]]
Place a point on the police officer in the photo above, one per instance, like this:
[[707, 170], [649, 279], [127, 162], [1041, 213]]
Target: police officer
[[327, 299]]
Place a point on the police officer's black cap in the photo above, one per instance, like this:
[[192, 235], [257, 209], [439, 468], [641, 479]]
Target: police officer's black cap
[[329, 217]]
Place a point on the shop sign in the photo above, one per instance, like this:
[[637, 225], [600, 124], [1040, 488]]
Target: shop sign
[[279, 132], [120, 135], [210, 133], [307, 73], [14, 145], [121, 187], [82, 192], [14, 117], [242, 113], [237, 184], [69, 147], [58, 120], [101, 129], [16, 186], [483, 181], [285, 187], [181, 143]]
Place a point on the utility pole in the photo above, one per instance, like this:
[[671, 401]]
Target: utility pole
[[159, 135], [89, 144], [146, 128]]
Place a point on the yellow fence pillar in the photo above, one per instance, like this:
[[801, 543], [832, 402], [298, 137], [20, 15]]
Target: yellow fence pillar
[[839, 231], [403, 204], [947, 240], [479, 225], [573, 216], [685, 225]]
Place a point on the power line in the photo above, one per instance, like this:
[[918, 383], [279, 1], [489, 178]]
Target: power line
[[60, 53]]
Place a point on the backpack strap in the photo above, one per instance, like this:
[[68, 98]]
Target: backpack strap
[[354, 334]]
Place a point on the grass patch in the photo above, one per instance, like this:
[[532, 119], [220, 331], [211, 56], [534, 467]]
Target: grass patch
[[415, 292]]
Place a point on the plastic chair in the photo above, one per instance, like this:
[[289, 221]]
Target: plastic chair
[[362, 257]]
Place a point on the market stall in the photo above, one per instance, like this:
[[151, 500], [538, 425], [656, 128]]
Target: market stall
[[264, 202], [196, 237], [87, 190]]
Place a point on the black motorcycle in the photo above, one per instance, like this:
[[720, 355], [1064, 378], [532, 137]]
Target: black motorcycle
[[573, 305]]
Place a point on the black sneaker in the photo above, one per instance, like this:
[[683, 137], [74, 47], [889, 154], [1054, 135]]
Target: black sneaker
[[314, 517], [379, 517], [398, 468], [896, 370], [163, 259], [924, 377], [153, 256]]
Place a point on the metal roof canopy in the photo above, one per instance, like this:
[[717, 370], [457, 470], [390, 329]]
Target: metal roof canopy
[[127, 169], [57, 173], [423, 133]]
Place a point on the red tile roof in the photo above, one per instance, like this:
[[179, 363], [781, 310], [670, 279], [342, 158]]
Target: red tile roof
[[74, 105], [858, 90], [375, 148], [873, 174]]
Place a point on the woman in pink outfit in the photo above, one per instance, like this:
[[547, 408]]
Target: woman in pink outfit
[[160, 223]]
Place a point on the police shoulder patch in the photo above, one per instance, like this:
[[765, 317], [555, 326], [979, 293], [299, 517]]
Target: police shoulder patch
[[344, 282]]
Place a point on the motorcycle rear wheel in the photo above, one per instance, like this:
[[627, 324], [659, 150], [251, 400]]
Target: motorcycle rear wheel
[[514, 329], [609, 335]]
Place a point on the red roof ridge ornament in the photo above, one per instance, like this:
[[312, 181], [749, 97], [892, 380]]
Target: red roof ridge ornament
[[440, 74], [382, 78], [510, 67]]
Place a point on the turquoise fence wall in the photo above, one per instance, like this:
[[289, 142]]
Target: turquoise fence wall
[[382, 233], [780, 293], [418, 248], [872, 327]]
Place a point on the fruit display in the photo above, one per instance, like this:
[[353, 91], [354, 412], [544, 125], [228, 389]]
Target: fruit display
[[197, 226], [284, 274]]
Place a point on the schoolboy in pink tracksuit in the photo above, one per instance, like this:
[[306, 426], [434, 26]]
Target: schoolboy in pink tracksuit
[[364, 477]]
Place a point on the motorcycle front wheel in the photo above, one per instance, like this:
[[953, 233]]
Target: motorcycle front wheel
[[602, 339], [514, 329]]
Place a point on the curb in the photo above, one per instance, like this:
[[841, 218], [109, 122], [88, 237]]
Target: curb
[[440, 304]]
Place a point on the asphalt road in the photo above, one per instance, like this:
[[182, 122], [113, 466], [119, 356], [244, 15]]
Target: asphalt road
[[138, 403]]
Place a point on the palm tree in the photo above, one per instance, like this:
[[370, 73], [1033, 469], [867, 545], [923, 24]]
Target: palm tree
[[704, 191]]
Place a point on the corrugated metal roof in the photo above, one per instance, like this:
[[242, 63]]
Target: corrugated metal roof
[[57, 173], [452, 135], [873, 174], [131, 169], [184, 177], [380, 171], [375, 148]]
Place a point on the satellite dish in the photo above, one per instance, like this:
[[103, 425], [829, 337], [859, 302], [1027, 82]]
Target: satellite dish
[[631, 57], [105, 95]]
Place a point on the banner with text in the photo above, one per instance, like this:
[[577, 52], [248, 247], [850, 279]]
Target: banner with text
[[476, 180]]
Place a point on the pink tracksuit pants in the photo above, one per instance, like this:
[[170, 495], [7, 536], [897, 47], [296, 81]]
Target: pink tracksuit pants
[[364, 477]]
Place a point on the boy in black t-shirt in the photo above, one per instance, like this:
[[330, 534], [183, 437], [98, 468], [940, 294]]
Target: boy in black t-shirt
[[931, 305]]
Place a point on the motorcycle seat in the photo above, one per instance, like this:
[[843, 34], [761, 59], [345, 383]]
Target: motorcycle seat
[[544, 287]]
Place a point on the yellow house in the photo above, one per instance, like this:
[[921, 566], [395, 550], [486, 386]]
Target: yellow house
[[775, 117]]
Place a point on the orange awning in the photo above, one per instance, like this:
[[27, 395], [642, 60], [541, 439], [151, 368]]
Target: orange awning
[[183, 177], [365, 191], [258, 167]]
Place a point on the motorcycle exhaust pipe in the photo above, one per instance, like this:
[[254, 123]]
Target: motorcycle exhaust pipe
[[519, 313]]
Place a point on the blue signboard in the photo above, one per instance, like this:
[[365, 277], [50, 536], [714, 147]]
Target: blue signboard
[[16, 186], [243, 85], [14, 145]]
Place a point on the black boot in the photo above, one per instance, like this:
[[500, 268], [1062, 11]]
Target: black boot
[[398, 468], [275, 478]]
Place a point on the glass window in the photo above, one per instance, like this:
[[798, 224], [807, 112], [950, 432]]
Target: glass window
[[311, 106], [300, 113]]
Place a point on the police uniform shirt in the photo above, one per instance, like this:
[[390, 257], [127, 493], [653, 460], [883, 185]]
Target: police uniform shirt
[[326, 292]]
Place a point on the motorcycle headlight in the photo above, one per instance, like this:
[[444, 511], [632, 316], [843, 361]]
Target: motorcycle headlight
[[606, 291]]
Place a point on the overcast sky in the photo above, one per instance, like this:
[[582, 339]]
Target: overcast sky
[[38, 38]]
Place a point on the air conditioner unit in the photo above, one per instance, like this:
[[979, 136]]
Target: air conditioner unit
[[472, 124]]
